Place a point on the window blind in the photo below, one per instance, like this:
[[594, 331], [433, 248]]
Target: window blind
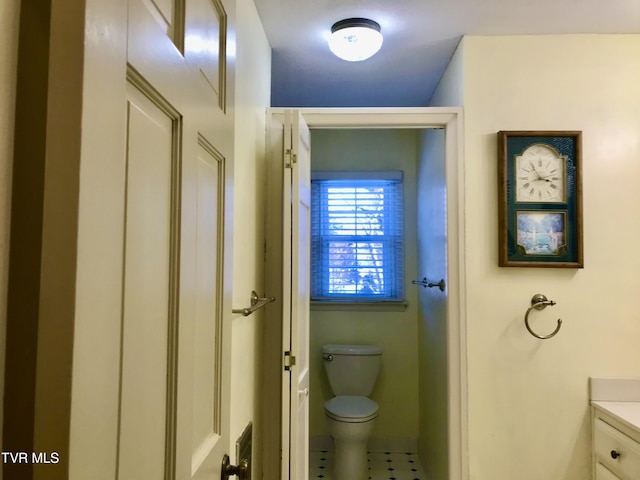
[[357, 237]]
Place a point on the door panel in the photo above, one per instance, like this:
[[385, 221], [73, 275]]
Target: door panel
[[207, 340], [297, 262], [287, 264], [149, 316], [275, 409], [205, 44], [163, 11], [287, 285], [300, 388]]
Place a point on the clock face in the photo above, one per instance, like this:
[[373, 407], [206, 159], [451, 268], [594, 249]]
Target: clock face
[[540, 175]]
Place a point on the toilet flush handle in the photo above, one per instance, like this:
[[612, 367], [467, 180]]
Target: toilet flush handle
[[328, 357]]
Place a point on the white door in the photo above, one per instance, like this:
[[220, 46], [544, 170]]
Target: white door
[[296, 296], [169, 416], [175, 365]]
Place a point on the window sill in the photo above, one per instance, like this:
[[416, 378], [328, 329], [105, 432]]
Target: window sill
[[389, 306]]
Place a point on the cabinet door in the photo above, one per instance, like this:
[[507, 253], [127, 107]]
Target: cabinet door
[[609, 440], [603, 473]]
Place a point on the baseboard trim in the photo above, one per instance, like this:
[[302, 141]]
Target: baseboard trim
[[393, 444]]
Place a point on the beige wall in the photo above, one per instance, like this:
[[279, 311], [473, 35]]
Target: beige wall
[[528, 401], [396, 390], [253, 72], [450, 89], [9, 20]]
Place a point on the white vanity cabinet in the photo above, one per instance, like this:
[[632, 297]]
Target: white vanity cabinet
[[616, 440]]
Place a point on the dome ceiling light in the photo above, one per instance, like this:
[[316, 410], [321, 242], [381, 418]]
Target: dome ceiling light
[[355, 39]]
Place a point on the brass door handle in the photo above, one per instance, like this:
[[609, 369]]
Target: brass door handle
[[241, 470]]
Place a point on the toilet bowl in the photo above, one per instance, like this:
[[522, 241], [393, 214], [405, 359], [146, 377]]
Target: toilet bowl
[[350, 420], [352, 372]]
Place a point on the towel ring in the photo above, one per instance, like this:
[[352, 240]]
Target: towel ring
[[540, 302]]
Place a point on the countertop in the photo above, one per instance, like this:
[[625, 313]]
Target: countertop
[[626, 412], [619, 397]]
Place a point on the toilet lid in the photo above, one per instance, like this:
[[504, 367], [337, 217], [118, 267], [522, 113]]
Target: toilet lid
[[351, 407]]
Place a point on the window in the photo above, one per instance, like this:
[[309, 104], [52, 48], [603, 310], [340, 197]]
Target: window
[[356, 236]]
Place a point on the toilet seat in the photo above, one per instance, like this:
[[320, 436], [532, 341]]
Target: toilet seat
[[351, 409]]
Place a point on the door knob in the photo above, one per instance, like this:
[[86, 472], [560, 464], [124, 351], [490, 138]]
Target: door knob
[[228, 470]]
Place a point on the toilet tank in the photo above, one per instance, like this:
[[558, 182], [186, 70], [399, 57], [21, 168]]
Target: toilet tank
[[352, 369]]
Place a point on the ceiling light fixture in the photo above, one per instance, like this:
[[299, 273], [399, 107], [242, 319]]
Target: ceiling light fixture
[[355, 39]]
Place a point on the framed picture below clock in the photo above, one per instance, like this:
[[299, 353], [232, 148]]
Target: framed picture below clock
[[540, 199]]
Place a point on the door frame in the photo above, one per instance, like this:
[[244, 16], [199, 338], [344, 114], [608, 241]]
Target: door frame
[[451, 119]]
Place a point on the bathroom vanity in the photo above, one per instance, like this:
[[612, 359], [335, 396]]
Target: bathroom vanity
[[615, 421]]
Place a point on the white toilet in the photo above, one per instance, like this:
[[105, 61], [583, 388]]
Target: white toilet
[[352, 372]]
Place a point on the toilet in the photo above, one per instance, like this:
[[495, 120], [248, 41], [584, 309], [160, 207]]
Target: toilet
[[352, 371]]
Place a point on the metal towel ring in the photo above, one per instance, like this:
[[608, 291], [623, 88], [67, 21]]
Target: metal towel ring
[[540, 302]]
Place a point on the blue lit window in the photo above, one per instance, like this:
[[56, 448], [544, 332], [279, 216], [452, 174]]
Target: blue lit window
[[356, 236]]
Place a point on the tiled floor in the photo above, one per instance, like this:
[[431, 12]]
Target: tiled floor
[[382, 466]]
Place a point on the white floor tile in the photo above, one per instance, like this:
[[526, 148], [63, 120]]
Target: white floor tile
[[382, 466]]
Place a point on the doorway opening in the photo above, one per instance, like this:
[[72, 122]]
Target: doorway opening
[[432, 126], [354, 268]]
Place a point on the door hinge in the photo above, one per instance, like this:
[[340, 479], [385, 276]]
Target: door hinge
[[290, 158], [289, 360]]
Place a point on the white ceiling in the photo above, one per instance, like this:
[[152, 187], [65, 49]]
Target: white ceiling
[[419, 38]]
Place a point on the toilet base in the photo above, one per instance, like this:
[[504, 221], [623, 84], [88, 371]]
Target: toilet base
[[350, 461], [350, 442]]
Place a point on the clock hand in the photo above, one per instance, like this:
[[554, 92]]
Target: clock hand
[[533, 168]]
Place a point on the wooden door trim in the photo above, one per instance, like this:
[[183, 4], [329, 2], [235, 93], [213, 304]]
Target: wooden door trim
[[42, 261]]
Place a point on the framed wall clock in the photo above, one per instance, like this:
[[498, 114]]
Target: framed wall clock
[[540, 199]]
